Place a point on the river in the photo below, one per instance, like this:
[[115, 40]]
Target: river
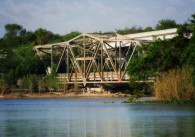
[[103, 117]]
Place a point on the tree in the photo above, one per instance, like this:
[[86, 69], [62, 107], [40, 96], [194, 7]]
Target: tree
[[131, 30], [14, 30], [70, 35], [27, 62], [166, 24], [13, 35], [50, 80], [44, 36], [192, 19], [163, 56], [148, 29], [188, 57]]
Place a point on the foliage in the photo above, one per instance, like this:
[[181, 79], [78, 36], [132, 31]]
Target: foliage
[[182, 102], [16, 52], [174, 85], [14, 35], [44, 36], [157, 59], [140, 88], [163, 55], [166, 24], [25, 82], [131, 30], [70, 36], [21, 94], [2, 84], [154, 58], [10, 78], [148, 29], [188, 58], [32, 83], [50, 80], [27, 63]]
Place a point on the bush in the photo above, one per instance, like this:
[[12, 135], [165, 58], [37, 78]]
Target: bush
[[2, 85], [175, 85], [21, 95]]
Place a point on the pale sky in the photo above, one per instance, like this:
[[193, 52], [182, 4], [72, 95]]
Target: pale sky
[[64, 16]]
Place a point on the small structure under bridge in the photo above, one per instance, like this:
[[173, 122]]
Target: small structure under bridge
[[90, 58]]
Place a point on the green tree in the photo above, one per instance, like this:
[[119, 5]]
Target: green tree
[[166, 24], [27, 62], [148, 29], [50, 80], [13, 35], [70, 35], [44, 36], [131, 30], [192, 19], [157, 57], [188, 57]]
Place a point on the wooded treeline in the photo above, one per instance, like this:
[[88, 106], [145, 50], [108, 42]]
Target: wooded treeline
[[170, 63], [16, 51], [18, 59]]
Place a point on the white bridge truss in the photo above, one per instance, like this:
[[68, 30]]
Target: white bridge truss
[[94, 59]]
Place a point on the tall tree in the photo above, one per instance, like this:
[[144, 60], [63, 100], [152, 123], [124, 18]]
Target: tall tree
[[13, 35], [131, 30], [188, 57], [148, 29], [44, 36], [166, 24]]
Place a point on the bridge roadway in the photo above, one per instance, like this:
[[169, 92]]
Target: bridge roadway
[[108, 77]]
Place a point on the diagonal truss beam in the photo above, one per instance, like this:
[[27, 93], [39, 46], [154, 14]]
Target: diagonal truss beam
[[111, 61]]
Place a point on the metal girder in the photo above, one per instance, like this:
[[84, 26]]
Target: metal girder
[[87, 51]]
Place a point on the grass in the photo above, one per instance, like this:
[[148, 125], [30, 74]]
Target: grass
[[162, 102], [174, 85], [21, 94]]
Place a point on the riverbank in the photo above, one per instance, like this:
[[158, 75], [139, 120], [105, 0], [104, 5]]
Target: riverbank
[[153, 100], [63, 95]]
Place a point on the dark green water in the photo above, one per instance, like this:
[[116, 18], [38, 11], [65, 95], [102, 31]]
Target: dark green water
[[93, 118]]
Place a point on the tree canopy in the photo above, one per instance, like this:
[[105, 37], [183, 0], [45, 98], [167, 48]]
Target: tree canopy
[[166, 24], [16, 51], [164, 55]]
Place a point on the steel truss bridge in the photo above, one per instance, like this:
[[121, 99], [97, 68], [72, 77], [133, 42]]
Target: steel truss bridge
[[90, 58]]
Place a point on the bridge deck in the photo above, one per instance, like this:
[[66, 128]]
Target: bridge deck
[[108, 77]]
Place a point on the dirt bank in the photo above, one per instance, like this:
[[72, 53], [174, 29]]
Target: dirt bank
[[61, 95]]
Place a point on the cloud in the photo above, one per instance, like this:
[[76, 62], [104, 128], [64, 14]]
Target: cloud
[[133, 10], [99, 7], [33, 13], [177, 2], [60, 7], [131, 16], [170, 11], [62, 16]]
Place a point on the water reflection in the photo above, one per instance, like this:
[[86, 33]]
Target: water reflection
[[93, 118]]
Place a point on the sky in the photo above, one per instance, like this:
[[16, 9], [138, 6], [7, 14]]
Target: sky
[[64, 16]]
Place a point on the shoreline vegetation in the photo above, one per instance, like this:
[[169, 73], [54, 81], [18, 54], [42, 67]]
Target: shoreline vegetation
[[131, 99], [176, 102], [154, 100]]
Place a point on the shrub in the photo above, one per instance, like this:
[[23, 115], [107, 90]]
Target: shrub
[[2, 85], [175, 85], [21, 95]]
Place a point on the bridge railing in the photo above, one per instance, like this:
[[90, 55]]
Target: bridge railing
[[77, 77]]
